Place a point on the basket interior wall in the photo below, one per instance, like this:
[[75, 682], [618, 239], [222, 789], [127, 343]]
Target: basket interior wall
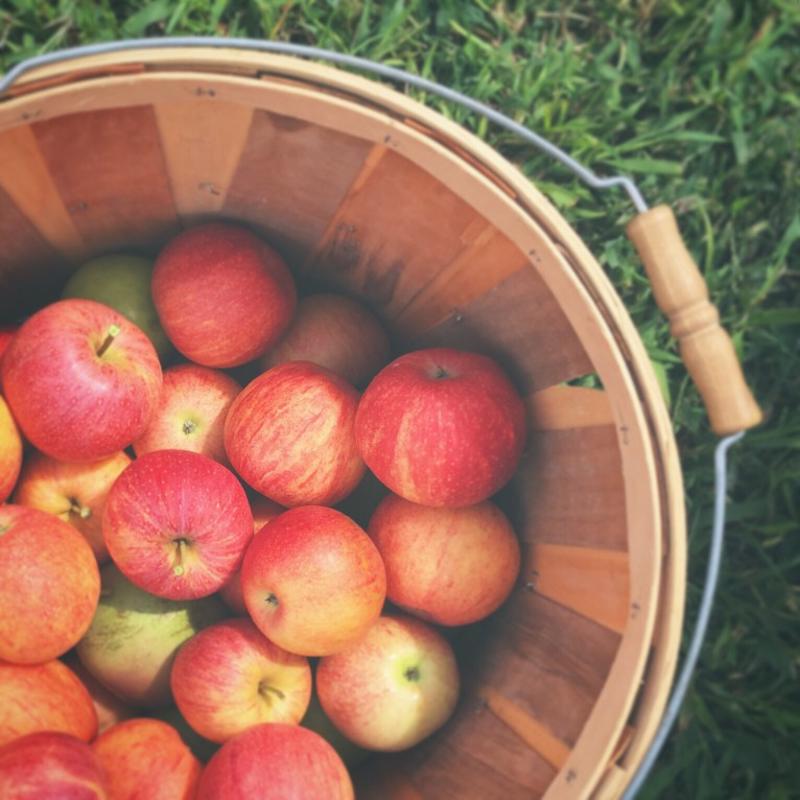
[[354, 214]]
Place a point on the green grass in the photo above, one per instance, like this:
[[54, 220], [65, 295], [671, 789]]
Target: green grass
[[700, 102]]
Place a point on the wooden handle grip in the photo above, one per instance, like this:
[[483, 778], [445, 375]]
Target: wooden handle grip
[[682, 294]]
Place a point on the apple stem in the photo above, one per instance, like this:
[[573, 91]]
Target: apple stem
[[111, 334], [412, 674], [178, 568], [272, 600], [84, 512], [264, 688]]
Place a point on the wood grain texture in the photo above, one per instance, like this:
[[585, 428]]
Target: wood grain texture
[[26, 179], [520, 323], [706, 348], [291, 178], [566, 407], [550, 662], [594, 583], [31, 270], [386, 243], [202, 140], [110, 172], [569, 489]]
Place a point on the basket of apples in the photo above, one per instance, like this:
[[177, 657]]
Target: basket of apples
[[330, 461]]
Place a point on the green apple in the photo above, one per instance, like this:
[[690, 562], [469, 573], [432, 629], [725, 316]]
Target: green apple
[[319, 722], [134, 636], [122, 282]]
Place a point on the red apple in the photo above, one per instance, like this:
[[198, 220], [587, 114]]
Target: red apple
[[284, 762], [134, 636], [146, 758], [44, 697], [394, 687], [75, 493], [441, 427], [177, 523], [335, 332], [10, 451], [452, 566], [313, 581], [289, 434], [81, 380], [109, 708], [230, 677], [191, 416], [264, 510], [222, 294], [50, 766], [49, 585]]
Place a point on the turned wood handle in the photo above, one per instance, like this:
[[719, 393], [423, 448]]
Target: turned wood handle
[[682, 294]]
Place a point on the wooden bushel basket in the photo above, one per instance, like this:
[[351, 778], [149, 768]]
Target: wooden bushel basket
[[370, 193]]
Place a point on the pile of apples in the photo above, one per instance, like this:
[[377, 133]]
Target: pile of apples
[[173, 566]]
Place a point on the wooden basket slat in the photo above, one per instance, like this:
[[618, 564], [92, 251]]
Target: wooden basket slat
[[566, 407], [594, 583], [30, 268], [202, 144], [25, 177], [385, 243], [548, 660], [291, 178], [518, 322], [109, 169], [569, 489]]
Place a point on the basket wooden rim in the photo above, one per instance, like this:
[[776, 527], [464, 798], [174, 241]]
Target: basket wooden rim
[[333, 97]]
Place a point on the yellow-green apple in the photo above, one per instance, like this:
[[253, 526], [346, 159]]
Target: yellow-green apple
[[10, 451], [176, 524], [50, 766], [191, 416], [82, 380], [313, 581], [276, 760], [451, 566], [122, 282], [319, 722], [49, 585], [264, 510], [230, 677], [109, 708], [75, 493], [289, 434], [335, 332], [394, 687], [146, 758], [441, 427], [222, 294], [134, 636], [44, 697]]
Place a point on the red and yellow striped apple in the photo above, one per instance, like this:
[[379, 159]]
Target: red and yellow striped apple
[[146, 758], [82, 380], [75, 493], [313, 581], [287, 760], [191, 414], [289, 434], [10, 451], [44, 697], [451, 566], [177, 523], [441, 427], [335, 332], [222, 294], [51, 766], [394, 687], [49, 585], [230, 677]]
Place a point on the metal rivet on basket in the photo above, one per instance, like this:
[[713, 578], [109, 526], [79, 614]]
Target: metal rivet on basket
[[207, 186]]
